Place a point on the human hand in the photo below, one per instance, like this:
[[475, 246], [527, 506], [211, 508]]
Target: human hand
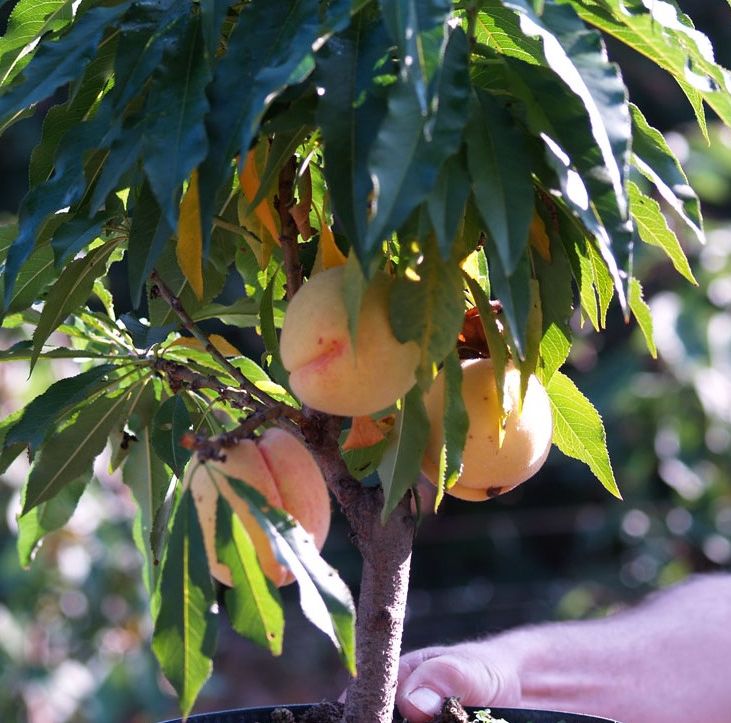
[[479, 674]]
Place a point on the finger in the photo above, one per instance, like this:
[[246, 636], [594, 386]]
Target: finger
[[422, 693], [410, 661]]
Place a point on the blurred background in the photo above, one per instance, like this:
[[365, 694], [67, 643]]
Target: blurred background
[[75, 628]]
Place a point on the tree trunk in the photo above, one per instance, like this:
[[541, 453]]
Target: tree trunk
[[386, 553]]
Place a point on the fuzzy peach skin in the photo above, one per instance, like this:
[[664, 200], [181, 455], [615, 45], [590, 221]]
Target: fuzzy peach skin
[[326, 372], [490, 469], [281, 468]]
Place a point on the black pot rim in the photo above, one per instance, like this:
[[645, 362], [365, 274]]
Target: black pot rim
[[542, 716]]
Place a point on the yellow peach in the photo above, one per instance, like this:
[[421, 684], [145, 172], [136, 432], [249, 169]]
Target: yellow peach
[[282, 469], [490, 468], [328, 372]]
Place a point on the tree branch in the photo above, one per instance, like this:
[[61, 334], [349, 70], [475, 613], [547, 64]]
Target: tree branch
[[283, 202]]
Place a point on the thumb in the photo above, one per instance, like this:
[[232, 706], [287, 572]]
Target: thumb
[[452, 674]]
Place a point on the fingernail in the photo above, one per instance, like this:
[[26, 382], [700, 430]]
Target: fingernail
[[426, 700]]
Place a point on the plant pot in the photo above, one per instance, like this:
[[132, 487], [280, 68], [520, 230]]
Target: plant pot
[[512, 715]]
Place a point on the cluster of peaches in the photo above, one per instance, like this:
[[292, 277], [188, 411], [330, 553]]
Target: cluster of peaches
[[331, 373]]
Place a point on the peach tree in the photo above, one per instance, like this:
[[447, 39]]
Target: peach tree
[[447, 184]]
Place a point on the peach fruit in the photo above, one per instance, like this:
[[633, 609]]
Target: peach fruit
[[281, 468], [329, 373], [490, 468]]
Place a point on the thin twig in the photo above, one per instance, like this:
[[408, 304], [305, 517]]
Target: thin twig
[[283, 202], [259, 399]]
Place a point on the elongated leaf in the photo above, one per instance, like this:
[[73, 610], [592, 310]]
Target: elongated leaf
[[429, 311], [59, 61], [654, 230], [410, 148], [497, 28], [324, 597], [656, 30], [242, 313], [642, 313], [654, 159], [70, 454], [401, 463], [456, 425], [41, 417], [253, 604], [269, 335], [417, 29], [171, 422], [177, 101], [446, 202], [184, 639], [578, 430], [578, 57], [148, 479], [34, 275], [28, 21], [349, 113], [48, 517], [72, 289], [189, 250], [264, 50], [147, 238], [500, 164]]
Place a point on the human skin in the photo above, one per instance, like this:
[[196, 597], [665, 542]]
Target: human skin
[[491, 468], [327, 371], [667, 660], [282, 469]]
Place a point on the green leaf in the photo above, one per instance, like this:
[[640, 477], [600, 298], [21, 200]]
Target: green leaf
[[653, 229], [241, 313], [578, 430], [171, 422], [495, 340], [146, 475], [33, 276], [401, 463], [47, 517], [148, 236], [184, 639], [513, 292], [657, 30], [349, 114], [429, 311], [175, 137], [60, 61], [417, 29], [324, 598], [28, 21], [501, 164], [269, 335], [42, 416], [446, 202], [70, 453], [265, 49], [72, 289], [410, 149], [554, 279], [654, 159], [642, 313], [253, 604], [497, 28], [456, 425]]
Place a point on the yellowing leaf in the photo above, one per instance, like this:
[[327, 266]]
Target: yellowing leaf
[[249, 180], [328, 254], [364, 432], [218, 342], [539, 238], [190, 238]]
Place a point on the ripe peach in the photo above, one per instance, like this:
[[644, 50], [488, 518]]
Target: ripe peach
[[280, 468], [490, 469], [326, 371]]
